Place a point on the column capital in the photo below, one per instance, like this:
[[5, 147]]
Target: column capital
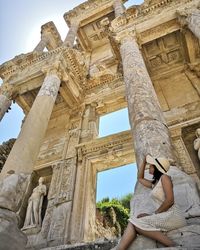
[[125, 36], [185, 14], [118, 23], [75, 22], [53, 69], [182, 15], [7, 90]]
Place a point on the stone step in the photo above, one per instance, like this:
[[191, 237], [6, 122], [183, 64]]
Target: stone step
[[100, 245], [188, 237]]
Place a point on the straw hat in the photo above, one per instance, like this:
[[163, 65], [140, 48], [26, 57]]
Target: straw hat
[[162, 164]]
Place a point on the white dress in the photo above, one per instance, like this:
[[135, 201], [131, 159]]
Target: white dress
[[171, 219]]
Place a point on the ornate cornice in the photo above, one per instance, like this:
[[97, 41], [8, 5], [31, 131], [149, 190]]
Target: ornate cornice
[[22, 61], [116, 141], [102, 80], [73, 61], [86, 10], [142, 13]]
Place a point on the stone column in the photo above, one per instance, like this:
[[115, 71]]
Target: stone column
[[71, 35], [26, 148], [191, 19], [5, 99], [118, 7], [89, 123], [42, 44], [150, 132]]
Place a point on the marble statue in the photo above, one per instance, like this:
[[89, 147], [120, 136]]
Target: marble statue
[[197, 142], [33, 213]]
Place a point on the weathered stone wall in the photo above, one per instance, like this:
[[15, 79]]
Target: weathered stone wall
[[158, 47]]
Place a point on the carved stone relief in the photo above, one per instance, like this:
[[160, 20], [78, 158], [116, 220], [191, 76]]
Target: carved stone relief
[[197, 142], [62, 183], [163, 52]]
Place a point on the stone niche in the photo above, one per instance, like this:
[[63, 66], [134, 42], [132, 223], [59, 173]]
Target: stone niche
[[188, 135], [46, 174]]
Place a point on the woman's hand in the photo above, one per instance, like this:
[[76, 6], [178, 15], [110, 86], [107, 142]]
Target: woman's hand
[[142, 215]]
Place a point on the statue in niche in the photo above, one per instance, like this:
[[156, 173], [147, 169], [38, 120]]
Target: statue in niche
[[197, 142], [33, 212]]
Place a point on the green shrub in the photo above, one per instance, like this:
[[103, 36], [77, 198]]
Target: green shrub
[[121, 207]]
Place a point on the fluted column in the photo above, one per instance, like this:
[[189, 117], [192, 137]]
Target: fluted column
[[148, 125], [42, 44], [5, 99], [71, 35], [26, 148], [191, 19], [118, 8]]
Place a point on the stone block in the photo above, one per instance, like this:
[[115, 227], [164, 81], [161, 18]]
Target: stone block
[[11, 238], [188, 236]]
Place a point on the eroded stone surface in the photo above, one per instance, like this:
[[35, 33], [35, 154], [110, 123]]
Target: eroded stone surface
[[11, 237], [159, 83]]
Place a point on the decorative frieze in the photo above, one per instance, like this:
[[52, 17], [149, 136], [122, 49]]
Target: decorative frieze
[[104, 144], [159, 31], [182, 154], [62, 183]]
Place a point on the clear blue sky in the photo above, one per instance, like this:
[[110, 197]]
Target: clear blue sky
[[20, 23]]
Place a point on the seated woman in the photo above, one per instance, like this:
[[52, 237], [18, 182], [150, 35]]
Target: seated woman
[[166, 217]]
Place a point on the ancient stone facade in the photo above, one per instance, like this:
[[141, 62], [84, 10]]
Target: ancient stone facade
[[146, 58]]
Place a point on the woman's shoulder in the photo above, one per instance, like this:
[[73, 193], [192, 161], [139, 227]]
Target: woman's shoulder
[[165, 177], [166, 180]]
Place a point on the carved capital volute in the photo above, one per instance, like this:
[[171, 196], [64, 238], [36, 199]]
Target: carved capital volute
[[54, 69], [182, 17], [7, 90], [74, 24], [118, 23], [125, 36]]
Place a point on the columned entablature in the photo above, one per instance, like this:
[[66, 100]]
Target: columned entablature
[[25, 74], [73, 96]]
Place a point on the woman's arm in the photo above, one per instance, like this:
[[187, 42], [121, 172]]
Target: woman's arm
[[169, 194], [141, 178]]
